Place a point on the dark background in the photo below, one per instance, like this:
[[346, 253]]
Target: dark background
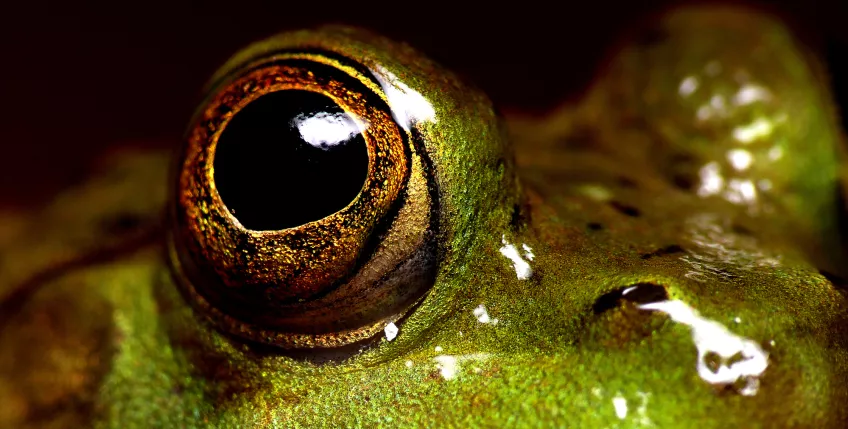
[[77, 79]]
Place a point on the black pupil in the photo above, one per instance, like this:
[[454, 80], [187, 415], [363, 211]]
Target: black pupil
[[289, 158]]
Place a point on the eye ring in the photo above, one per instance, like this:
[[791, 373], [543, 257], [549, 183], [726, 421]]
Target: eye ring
[[302, 268], [325, 283]]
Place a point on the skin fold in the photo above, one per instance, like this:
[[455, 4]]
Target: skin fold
[[666, 252]]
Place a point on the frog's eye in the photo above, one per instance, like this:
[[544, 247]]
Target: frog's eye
[[303, 213]]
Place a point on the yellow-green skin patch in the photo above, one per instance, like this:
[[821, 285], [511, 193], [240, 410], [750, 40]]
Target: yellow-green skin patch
[[94, 332]]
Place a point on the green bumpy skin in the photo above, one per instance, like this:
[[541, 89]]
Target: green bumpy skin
[[703, 166]]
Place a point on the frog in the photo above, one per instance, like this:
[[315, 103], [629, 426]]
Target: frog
[[666, 251]]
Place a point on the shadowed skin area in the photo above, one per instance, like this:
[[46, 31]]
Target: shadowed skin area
[[701, 171]]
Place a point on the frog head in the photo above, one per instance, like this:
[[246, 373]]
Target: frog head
[[351, 236]]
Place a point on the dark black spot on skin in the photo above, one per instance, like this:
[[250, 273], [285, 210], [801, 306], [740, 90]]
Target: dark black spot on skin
[[683, 182], [639, 293], [518, 217], [668, 250], [681, 169], [122, 223], [741, 229], [626, 209], [594, 226], [713, 361], [626, 182]]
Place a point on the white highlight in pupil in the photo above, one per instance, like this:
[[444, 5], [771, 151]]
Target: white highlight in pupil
[[325, 130]]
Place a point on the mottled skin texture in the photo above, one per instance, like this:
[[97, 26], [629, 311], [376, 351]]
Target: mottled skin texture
[[93, 330]]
